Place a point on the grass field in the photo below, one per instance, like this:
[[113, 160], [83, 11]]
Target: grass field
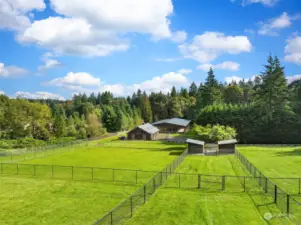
[[282, 162], [63, 200], [171, 205]]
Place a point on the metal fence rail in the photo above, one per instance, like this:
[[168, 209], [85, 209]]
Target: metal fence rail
[[126, 209], [285, 202]]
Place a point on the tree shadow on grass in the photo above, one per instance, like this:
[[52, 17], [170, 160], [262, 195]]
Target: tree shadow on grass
[[294, 152]]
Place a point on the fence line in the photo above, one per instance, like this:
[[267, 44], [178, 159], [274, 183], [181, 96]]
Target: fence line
[[126, 209], [285, 202]]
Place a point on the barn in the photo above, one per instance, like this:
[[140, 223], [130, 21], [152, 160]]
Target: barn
[[174, 125], [195, 146], [143, 132], [226, 146]]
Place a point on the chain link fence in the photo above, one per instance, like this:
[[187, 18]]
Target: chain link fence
[[285, 202], [126, 209]]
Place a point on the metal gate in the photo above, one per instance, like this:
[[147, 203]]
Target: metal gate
[[211, 182]]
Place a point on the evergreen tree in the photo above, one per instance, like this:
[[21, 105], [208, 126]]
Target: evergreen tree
[[146, 110], [173, 92], [193, 90]]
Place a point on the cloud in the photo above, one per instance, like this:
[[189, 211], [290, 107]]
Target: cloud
[[99, 28], [38, 95], [269, 3], [168, 59], [86, 83], [185, 71], [238, 79], [210, 45], [1, 92], [179, 36], [273, 25], [11, 71], [49, 62], [290, 79], [293, 50], [227, 65], [13, 13]]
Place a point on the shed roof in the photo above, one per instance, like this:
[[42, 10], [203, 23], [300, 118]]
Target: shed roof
[[233, 141], [149, 128], [196, 142], [175, 121]]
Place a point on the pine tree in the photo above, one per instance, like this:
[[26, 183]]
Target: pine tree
[[173, 92], [146, 110], [193, 90], [210, 80]]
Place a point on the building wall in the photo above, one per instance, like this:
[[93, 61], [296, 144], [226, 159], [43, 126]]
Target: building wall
[[139, 134], [226, 148], [170, 128], [194, 149]]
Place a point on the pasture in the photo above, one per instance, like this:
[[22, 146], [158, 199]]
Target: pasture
[[187, 204], [277, 162]]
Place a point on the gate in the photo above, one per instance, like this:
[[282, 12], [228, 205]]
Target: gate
[[211, 182]]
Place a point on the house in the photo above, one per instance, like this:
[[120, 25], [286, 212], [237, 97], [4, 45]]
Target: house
[[143, 132], [174, 125], [227, 146], [195, 146]]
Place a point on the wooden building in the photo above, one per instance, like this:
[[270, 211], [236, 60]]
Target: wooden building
[[143, 132], [227, 146], [174, 125], [195, 146]]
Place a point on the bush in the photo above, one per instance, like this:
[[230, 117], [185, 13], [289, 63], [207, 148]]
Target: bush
[[211, 133]]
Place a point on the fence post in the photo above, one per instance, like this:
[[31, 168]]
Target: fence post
[[92, 173], [17, 169], [136, 176], [266, 185], [299, 185], [112, 218], [144, 188], [223, 182], [288, 204], [275, 194], [244, 183], [72, 172], [131, 207], [199, 181]]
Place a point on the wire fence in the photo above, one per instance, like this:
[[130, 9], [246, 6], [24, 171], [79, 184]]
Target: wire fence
[[126, 209], [285, 202], [18, 155]]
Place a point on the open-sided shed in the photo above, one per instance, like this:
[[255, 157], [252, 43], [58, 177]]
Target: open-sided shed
[[143, 132], [226, 146], [195, 146]]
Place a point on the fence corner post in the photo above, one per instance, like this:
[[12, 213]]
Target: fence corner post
[[112, 218], [275, 194]]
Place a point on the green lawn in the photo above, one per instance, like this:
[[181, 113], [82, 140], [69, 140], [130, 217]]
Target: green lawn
[[283, 162], [36, 201], [208, 205]]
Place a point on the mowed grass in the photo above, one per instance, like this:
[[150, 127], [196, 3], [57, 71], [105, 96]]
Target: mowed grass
[[277, 162], [208, 205], [36, 201], [138, 155]]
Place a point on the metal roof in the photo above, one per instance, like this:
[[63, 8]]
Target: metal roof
[[233, 141], [149, 128], [175, 121], [196, 142]]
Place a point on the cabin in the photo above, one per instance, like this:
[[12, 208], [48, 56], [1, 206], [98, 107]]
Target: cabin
[[174, 125], [226, 146], [143, 132], [195, 146]]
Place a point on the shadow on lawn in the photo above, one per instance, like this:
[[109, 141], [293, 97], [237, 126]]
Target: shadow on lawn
[[294, 152]]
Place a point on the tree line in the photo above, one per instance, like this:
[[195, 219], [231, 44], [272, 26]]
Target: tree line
[[263, 110]]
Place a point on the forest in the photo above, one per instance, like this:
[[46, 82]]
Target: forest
[[264, 110]]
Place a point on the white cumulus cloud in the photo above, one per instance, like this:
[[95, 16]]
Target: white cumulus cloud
[[210, 45], [272, 26], [11, 71], [1, 92], [227, 65], [269, 3], [13, 13], [293, 50], [49, 62], [185, 71], [38, 95]]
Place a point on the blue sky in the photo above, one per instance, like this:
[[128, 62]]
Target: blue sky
[[54, 49]]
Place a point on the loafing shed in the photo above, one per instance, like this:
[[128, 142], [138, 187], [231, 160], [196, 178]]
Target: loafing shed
[[227, 146], [195, 146], [173, 125], [143, 132]]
